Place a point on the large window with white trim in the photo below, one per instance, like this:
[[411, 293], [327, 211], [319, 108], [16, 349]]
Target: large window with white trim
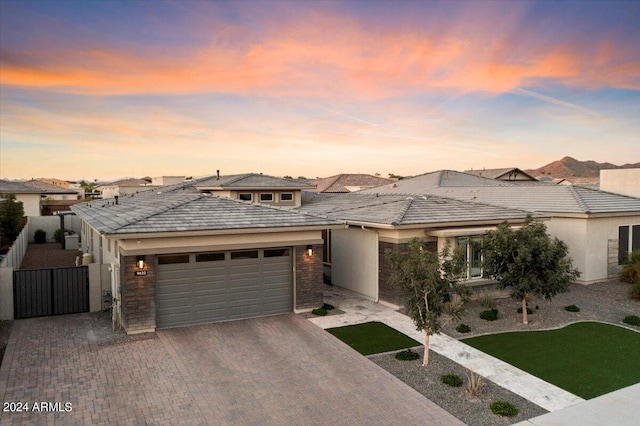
[[472, 253], [628, 241]]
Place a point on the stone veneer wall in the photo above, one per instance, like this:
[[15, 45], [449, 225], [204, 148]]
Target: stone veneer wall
[[386, 291], [309, 284], [138, 295]]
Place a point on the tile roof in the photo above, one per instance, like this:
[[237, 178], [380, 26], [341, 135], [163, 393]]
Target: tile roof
[[181, 208], [498, 173], [127, 182], [532, 196], [342, 182], [47, 188], [399, 210], [11, 187], [250, 180]]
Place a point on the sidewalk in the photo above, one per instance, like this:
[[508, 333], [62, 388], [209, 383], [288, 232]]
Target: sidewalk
[[358, 310]]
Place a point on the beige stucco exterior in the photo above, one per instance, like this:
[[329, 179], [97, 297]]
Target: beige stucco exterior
[[30, 203], [355, 260], [621, 181]]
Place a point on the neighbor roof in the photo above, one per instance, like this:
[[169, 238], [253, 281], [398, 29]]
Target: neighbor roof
[[342, 182], [533, 197], [401, 210], [11, 187], [499, 173], [250, 181], [47, 188], [185, 209]]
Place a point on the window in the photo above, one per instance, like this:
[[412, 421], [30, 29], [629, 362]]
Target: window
[[245, 197], [628, 241], [253, 254], [266, 197], [276, 252], [472, 256], [209, 257], [286, 196], [173, 259]]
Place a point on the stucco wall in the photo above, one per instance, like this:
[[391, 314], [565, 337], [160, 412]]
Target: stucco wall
[[355, 261], [52, 223], [621, 181], [30, 203]]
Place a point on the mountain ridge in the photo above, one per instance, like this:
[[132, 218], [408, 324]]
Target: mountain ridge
[[568, 168]]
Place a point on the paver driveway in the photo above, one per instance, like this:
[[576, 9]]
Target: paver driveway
[[278, 370]]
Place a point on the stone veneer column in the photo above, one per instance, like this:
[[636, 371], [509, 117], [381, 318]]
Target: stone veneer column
[[138, 295], [386, 291], [308, 278]]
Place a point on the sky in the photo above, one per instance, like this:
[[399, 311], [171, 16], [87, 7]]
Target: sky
[[103, 89]]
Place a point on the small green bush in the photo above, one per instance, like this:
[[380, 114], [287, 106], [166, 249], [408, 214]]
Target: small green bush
[[57, 236], [631, 269], [489, 315], [486, 301], [452, 380], [503, 408], [319, 311], [463, 328], [407, 355], [572, 308], [634, 293], [40, 236], [632, 320], [328, 307]]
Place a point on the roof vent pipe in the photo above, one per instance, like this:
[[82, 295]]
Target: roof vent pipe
[[218, 174], [116, 198]]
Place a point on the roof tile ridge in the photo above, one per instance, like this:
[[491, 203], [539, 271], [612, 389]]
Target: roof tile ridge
[[289, 209], [172, 205], [403, 211], [333, 182], [239, 177], [578, 198]]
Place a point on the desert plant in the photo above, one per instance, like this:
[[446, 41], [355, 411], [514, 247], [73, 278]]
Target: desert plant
[[463, 328], [489, 315], [632, 320], [452, 380], [630, 272], [572, 308], [474, 384], [634, 293], [328, 307], [40, 236], [486, 301], [57, 235], [319, 311], [407, 355], [503, 408]]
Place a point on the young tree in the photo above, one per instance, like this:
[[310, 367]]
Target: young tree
[[431, 280], [528, 261], [11, 218]]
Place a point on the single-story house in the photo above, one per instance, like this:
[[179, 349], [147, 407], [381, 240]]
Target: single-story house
[[354, 257], [599, 227], [183, 255], [125, 187], [32, 193]]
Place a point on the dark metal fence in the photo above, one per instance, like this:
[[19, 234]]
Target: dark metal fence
[[52, 291]]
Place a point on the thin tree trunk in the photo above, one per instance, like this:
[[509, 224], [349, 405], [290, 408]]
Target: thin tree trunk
[[425, 360], [525, 316]]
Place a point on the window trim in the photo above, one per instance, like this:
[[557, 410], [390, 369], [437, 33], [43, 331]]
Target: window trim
[[289, 194], [241, 194], [270, 194]]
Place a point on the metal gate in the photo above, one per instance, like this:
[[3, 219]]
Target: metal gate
[[53, 291]]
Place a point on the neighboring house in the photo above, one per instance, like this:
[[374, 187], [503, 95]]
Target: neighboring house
[[255, 188], [167, 180], [57, 182], [124, 187], [181, 255], [509, 174], [54, 197], [348, 183], [599, 227], [554, 181], [355, 257], [621, 181], [29, 197]]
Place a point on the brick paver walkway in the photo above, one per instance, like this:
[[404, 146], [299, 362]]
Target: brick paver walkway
[[277, 370]]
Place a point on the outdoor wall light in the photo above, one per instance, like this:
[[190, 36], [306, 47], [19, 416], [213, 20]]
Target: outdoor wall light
[[140, 262], [309, 251]]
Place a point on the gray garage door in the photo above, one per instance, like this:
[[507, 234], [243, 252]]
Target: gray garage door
[[221, 286]]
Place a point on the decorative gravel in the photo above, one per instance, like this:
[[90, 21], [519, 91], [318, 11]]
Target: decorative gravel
[[606, 302]]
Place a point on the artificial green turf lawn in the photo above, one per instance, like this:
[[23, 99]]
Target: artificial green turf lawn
[[373, 338], [587, 359]]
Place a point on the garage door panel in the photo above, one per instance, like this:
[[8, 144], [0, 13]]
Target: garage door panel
[[224, 289]]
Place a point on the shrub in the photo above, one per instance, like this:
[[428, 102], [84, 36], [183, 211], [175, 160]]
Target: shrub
[[503, 408], [452, 380], [40, 236], [489, 315], [572, 308], [486, 301], [319, 311], [631, 270], [463, 328], [328, 307], [632, 320], [474, 384], [634, 293], [407, 355], [58, 235]]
